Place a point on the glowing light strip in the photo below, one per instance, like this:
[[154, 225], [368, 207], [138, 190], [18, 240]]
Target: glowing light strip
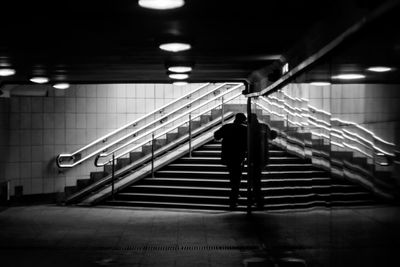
[[336, 144], [364, 129], [320, 126], [320, 110], [321, 135], [337, 136], [356, 148]]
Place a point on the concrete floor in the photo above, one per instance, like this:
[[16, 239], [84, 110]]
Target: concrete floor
[[48, 235]]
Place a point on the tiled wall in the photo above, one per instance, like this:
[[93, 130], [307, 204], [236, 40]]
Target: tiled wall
[[42, 127], [4, 125]]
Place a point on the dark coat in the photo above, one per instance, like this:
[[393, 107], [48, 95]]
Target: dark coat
[[234, 142], [261, 134]]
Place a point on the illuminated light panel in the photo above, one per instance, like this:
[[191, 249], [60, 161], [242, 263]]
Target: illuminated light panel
[[180, 83], [320, 83], [175, 47], [7, 72], [179, 76], [350, 76], [161, 4], [180, 69], [39, 79], [379, 69], [61, 86]]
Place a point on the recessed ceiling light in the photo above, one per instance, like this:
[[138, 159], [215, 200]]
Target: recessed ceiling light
[[349, 76], [180, 83], [178, 76], [7, 72], [39, 79], [180, 69], [161, 4], [320, 83], [175, 47], [61, 86], [379, 69]]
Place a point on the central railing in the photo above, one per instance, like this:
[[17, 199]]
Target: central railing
[[128, 137]]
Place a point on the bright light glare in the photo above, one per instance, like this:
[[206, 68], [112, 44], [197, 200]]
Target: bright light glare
[[320, 83], [61, 86], [349, 76], [175, 47], [180, 69], [161, 4], [180, 83], [178, 76], [379, 69], [39, 79], [7, 72]]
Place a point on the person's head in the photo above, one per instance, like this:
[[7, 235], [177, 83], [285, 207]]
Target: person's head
[[240, 118], [253, 118]]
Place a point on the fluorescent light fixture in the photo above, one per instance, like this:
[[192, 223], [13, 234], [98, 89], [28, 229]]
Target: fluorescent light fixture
[[7, 72], [178, 76], [320, 83], [39, 79], [379, 69], [61, 86], [180, 83], [161, 4], [349, 76], [175, 47], [180, 69]]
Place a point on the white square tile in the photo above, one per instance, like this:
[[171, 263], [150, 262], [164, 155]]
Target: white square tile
[[14, 121], [91, 121], [111, 90], [101, 90], [36, 169], [12, 170], [37, 153], [48, 104], [80, 90], [91, 105], [150, 90], [59, 120], [91, 90], [130, 105], [59, 104], [37, 137], [48, 185], [48, 153], [14, 154], [101, 105], [25, 121], [140, 106], [37, 104], [48, 120], [81, 137], [70, 120], [91, 135], [14, 104], [111, 105], [131, 90], [59, 137], [25, 104], [121, 90], [71, 92], [25, 137], [81, 105], [140, 90], [111, 121], [101, 121], [14, 137], [70, 105], [80, 120], [121, 105], [121, 120], [26, 170], [70, 137], [37, 120]]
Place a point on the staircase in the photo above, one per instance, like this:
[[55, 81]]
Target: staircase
[[201, 182]]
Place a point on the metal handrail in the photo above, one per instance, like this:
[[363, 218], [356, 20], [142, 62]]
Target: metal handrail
[[102, 155], [343, 133], [71, 155]]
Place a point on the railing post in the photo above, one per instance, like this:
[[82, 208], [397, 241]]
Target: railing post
[[249, 158], [222, 110], [113, 176], [190, 135], [152, 155]]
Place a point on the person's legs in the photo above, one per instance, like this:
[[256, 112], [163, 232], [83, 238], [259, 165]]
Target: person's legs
[[235, 174], [258, 197]]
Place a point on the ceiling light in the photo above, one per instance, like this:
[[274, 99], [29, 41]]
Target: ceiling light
[[39, 79], [178, 76], [161, 4], [180, 69], [175, 47], [348, 76], [180, 83], [320, 83], [379, 69], [61, 86], [7, 72]]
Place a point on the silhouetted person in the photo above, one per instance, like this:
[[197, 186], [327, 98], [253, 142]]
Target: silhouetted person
[[259, 140], [234, 146]]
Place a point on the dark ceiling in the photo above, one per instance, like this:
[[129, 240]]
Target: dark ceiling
[[117, 41]]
